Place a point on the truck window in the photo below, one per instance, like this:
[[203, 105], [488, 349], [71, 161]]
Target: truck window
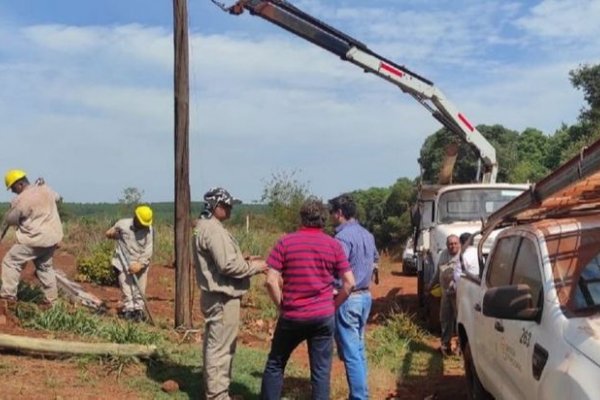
[[472, 204], [587, 292], [575, 260], [503, 259], [527, 269]]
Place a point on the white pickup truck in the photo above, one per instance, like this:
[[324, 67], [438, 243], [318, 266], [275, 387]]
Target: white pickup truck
[[529, 326]]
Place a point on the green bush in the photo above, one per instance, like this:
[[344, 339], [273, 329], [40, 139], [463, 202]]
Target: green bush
[[96, 267], [255, 242], [397, 334]]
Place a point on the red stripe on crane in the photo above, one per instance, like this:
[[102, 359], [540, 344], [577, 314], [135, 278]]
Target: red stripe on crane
[[391, 69], [466, 122]]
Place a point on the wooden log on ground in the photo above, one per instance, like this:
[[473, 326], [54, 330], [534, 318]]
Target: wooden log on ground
[[62, 347]]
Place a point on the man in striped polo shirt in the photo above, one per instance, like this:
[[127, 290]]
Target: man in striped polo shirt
[[351, 317], [302, 269]]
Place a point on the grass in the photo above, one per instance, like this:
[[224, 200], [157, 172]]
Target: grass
[[256, 241], [401, 346], [63, 318], [183, 364]]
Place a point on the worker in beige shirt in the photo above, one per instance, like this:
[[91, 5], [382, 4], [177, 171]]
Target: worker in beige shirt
[[35, 215], [223, 275], [135, 243]]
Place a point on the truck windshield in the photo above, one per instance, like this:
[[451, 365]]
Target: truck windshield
[[472, 204], [575, 259]]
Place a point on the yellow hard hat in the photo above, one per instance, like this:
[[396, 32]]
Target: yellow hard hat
[[436, 291], [12, 176], [144, 215]]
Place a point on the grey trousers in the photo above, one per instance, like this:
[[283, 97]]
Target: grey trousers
[[221, 326], [132, 298], [447, 318], [15, 260]]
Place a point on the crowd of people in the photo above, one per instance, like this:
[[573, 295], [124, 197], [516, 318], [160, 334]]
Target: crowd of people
[[318, 283]]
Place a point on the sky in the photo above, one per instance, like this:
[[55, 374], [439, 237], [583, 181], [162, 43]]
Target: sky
[[86, 90]]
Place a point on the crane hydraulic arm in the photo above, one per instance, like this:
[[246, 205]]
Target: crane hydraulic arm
[[289, 17]]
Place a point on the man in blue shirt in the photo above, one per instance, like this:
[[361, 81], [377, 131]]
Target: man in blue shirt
[[351, 317]]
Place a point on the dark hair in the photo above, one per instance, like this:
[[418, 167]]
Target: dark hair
[[345, 203], [464, 238], [313, 213]]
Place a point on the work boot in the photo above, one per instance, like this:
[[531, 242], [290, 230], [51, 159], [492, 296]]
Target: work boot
[[139, 316], [128, 315], [45, 304]]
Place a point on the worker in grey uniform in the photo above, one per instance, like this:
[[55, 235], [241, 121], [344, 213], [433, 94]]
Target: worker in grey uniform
[[34, 213], [223, 275], [135, 244]]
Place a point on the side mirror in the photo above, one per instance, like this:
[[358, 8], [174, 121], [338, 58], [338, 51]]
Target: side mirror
[[510, 302]]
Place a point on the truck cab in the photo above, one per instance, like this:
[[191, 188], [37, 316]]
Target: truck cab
[[453, 209], [529, 324]]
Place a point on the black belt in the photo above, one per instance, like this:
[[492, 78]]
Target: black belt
[[359, 290]]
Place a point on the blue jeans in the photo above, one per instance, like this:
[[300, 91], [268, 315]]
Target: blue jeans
[[288, 335], [350, 322]]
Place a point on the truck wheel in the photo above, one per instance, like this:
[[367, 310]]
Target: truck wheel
[[475, 390]]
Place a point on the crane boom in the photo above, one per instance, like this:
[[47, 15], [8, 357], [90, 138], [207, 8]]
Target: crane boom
[[292, 19]]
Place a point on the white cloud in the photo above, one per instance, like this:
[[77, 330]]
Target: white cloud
[[573, 20]]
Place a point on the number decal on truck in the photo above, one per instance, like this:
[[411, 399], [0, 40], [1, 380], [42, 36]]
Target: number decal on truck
[[525, 338]]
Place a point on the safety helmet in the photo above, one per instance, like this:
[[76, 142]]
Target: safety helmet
[[13, 176], [144, 215], [219, 195]]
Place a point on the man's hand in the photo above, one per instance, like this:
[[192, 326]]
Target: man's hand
[[135, 267], [258, 264], [114, 233]]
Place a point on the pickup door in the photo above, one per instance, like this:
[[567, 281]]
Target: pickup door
[[516, 260]]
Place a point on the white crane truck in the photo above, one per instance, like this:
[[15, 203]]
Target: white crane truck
[[451, 209]]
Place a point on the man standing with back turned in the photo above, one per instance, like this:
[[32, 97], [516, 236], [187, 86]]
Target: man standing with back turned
[[302, 268], [351, 317], [39, 230]]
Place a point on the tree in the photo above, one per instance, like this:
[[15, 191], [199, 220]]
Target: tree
[[465, 170], [587, 78], [532, 150], [131, 196], [385, 212], [284, 194]]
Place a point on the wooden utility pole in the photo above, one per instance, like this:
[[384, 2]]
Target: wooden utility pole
[[183, 273]]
